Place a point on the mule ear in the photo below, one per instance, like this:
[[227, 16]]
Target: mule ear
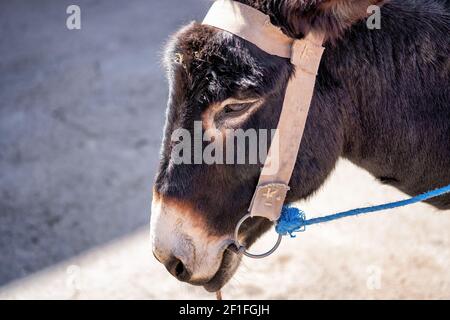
[[332, 17]]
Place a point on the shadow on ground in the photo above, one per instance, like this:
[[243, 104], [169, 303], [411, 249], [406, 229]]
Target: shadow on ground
[[81, 116]]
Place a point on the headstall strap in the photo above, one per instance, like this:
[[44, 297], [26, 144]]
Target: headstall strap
[[305, 54]]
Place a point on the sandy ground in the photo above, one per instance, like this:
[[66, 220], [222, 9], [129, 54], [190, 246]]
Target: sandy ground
[[81, 117], [401, 254], [81, 120]]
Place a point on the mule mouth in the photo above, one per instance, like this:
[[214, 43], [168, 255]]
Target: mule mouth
[[227, 268], [232, 257]]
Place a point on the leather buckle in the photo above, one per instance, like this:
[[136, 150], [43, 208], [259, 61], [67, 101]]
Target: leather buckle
[[268, 200]]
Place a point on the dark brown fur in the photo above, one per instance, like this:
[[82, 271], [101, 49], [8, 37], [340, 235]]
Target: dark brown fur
[[296, 18], [381, 101]]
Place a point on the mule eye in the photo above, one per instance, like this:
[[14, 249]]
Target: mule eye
[[236, 108]]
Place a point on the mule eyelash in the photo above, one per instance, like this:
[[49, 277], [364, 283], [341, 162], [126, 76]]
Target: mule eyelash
[[236, 108], [232, 112]]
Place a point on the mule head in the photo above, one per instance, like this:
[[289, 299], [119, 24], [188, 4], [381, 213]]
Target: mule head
[[218, 82]]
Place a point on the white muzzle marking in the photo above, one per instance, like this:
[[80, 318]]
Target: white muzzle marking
[[177, 231]]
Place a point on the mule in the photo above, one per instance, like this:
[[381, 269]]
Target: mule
[[381, 101]]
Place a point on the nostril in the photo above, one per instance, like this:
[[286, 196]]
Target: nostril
[[179, 269], [176, 267]]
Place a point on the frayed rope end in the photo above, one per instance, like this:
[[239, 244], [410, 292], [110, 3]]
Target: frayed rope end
[[291, 220]]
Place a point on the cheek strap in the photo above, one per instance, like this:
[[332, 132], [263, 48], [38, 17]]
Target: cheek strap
[[305, 54], [274, 180]]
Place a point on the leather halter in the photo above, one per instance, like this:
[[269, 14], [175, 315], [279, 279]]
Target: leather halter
[[305, 54]]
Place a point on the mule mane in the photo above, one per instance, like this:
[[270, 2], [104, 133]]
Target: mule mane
[[297, 18]]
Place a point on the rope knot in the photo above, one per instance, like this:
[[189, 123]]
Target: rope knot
[[291, 220]]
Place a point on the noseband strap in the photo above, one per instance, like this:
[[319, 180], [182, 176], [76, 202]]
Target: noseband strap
[[305, 54]]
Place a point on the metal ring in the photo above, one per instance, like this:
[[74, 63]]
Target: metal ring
[[243, 249]]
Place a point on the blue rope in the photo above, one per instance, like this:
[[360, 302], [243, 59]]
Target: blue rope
[[293, 219]]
